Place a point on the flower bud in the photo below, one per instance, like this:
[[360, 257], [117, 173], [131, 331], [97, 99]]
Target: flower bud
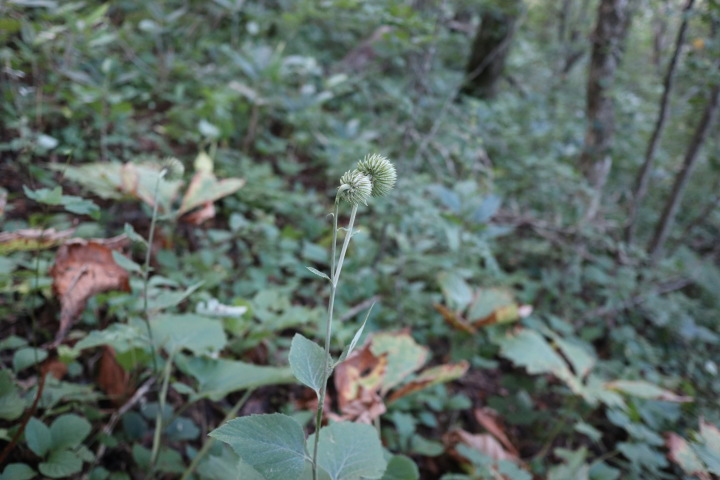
[[381, 173], [355, 188]]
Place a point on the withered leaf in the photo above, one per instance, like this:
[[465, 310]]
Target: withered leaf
[[81, 270], [431, 376], [112, 378], [32, 239]]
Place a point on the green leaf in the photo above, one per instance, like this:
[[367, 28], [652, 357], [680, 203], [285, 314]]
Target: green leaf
[[350, 451], [318, 273], [188, 331], [17, 471], [68, 431], [27, 357], [401, 467], [11, 404], [355, 339], [219, 377], [38, 437], [60, 464], [457, 292], [125, 262], [643, 389], [274, 444], [405, 356], [308, 362], [45, 195]]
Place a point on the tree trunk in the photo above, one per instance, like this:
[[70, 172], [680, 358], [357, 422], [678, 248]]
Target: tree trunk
[[644, 173], [490, 49], [613, 19], [668, 216]]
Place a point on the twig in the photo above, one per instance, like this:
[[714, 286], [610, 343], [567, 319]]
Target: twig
[[110, 426]]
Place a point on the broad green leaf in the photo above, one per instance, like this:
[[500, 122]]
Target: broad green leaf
[[529, 349], [38, 437], [643, 389], [404, 356], [350, 451], [61, 464], [224, 466], [11, 404], [710, 435], [17, 471], [401, 467], [456, 291], [45, 195], [125, 262], [188, 331], [318, 273], [27, 357], [219, 377], [68, 431], [274, 444], [309, 362], [573, 468]]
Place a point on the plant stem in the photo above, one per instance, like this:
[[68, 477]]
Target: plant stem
[[335, 276], [146, 270], [159, 416], [209, 443]]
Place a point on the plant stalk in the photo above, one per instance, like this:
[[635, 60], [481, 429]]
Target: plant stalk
[[146, 270], [334, 277]]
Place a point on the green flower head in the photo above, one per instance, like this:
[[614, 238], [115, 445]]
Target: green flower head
[[381, 173], [355, 188]]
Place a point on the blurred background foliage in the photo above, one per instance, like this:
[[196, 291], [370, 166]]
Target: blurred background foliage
[[489, 251]]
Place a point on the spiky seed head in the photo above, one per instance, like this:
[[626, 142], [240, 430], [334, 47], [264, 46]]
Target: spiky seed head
[[381, 173], [172, 168], [355, 188]]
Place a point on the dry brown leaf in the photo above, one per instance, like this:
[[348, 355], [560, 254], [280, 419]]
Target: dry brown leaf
[[484, 443], [429, 377], [488, 418], [81, 270], [200, 215], [357, 381], [55, 367], [112, 378], [454, 319]]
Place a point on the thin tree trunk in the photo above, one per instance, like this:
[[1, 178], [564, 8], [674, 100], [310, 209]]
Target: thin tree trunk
[[657, 243], [641, 181], [613, 19], [490, 49], [660, 27]]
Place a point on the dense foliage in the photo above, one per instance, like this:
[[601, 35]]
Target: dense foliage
[[145, 301]]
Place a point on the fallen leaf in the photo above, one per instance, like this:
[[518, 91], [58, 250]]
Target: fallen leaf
[[32, 239], [112, 378], [199, 216], [454, 319], [369, 374], [55, 367], [357, 381], [205, 188], [431, 376], [484, 443], [488, 418], [679, 452], [81, 270]]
